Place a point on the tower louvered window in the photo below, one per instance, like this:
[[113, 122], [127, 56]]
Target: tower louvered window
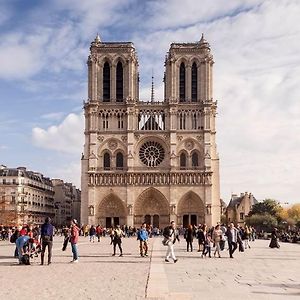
[[194, 83], [119, 82], [182, 82], [106, 82]]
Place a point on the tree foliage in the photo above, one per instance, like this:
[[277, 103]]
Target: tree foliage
[[261, 221], [268, 206]]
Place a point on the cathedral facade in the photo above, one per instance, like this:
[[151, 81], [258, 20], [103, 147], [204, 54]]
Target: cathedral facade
[[150, 161]]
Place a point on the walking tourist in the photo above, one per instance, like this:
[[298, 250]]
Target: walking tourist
[[189, 236], [208, 244], [170, 234], [217, 236], [92, 233], [99, 233], [47, 240], [274, 239], [201, 236], [117, 235], [143, 238], [232, 238], [74, 240]]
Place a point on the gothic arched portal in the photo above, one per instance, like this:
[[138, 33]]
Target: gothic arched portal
[[111, 211], [151, 207], [190, 210]]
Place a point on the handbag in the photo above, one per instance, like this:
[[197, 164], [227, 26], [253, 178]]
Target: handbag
[[165, 241]]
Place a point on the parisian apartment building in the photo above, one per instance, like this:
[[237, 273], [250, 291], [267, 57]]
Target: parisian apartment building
[[67, 200], [28, 197]]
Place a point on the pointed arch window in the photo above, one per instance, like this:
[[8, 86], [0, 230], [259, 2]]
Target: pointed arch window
[[106, 82], [182, 82], [182, 161], [119, 161], [195, 160], [119, 82], [106, 161], [194, 82]]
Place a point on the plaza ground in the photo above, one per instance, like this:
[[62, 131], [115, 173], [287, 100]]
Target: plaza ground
[[258, 273]]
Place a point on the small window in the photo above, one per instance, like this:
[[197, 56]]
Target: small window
[[106, 161], [182, 161], [195, 159], [120, 161], [241, 216]]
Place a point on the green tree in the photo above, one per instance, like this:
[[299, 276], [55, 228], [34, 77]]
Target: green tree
[[268, 206], [265, 222]]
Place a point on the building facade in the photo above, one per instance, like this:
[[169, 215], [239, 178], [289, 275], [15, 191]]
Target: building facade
[[26, 197], [67, 201], [239, 207], [150, 161]]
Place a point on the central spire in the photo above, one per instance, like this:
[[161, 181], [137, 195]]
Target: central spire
[[152, 87]]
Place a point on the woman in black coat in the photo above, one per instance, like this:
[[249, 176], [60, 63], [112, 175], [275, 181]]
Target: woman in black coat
[[274, 239]]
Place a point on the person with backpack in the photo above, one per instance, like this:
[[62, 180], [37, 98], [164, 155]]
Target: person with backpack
[[117, 235], [170, 234], [143, 236], [47, 239]]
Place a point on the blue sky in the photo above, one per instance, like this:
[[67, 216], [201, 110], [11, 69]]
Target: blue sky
[[43, 81]]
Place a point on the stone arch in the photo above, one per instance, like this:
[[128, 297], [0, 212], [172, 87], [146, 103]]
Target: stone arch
[[190, 207], [111, 208], [151, 202]]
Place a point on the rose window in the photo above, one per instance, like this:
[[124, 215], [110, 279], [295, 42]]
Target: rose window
[[152, 153]]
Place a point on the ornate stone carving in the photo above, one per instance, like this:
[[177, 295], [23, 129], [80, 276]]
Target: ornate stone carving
[[199, 138], [189, 145], [124, 138], [91, 210], [137, 136], [100, 138], [113, 144], [179, 138]]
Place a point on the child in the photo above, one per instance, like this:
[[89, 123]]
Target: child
[[208, 244]]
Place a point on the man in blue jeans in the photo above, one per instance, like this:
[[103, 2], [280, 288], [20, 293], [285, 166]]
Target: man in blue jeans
[[143, 238], [74, 240], [20, 243]]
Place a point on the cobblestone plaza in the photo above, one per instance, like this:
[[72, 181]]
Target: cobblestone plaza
[[258, 273]]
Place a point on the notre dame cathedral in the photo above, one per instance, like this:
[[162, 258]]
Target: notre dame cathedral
[[152, 161]]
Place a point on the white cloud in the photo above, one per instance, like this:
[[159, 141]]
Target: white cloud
[[53, 116], [66, 137]]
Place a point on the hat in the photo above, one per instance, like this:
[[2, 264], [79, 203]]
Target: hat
[[74, 221]]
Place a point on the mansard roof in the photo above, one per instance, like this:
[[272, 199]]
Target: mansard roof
[[23, 172]]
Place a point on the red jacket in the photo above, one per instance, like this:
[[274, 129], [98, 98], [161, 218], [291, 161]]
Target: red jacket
[[74, 234]]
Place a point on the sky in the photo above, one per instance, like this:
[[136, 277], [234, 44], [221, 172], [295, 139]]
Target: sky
[[44, 47]]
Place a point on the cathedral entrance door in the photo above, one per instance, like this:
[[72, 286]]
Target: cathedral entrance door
[[156, 221], [108, 223], [153, 208], [116, 221], [148, 219], [185, 221], [193, 220]]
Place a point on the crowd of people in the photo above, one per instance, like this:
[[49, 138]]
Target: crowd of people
[[34, 240]]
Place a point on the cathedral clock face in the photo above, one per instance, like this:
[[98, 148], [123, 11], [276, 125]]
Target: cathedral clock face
[[152, 153]]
